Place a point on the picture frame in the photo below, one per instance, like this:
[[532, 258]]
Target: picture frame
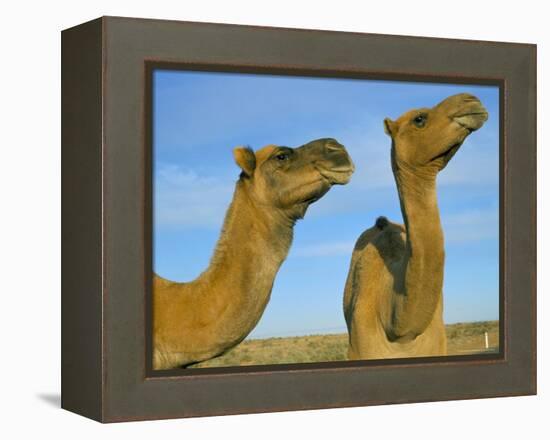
[[106, 219]]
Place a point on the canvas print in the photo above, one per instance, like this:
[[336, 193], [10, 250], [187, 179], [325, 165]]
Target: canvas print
[[302, 219]]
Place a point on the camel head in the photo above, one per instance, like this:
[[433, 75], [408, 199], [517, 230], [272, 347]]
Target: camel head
[[425, 140], [290, 179]]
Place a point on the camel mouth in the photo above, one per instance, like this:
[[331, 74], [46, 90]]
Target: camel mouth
[[448, 153], [313, 191], [336, 166], [472, 120], [311, 200], [338, 175]]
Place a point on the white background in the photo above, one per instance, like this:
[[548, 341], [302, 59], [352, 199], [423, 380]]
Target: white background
[[30, 218]]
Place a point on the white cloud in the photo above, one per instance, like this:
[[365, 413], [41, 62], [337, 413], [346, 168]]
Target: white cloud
[[475, 164], [330, 249], [184, 198], [471, 226], [474, 170], [462, 227], [187, 198]]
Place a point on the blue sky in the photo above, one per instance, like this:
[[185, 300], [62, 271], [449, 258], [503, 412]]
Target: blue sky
[[200, 117]]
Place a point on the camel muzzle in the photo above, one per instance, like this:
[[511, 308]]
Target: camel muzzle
[[331, 159], [472, 121], [472, 114], [337, 167]]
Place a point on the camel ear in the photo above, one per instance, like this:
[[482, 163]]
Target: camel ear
[[246, 159], [389, 126]]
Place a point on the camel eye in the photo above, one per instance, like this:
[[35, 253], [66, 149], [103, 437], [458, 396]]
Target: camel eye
[[282, 157], [420, 121]]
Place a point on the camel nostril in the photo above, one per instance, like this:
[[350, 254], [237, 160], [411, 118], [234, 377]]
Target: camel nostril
[[334, 146], [471, 98]]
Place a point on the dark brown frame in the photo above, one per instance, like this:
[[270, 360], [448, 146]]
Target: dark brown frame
[[106, 215]]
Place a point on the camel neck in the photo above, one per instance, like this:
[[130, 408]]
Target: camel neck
[[248, 255], [251, 231], [424, 254]]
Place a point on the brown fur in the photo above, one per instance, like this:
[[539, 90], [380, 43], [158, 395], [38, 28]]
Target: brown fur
[[393, 302], [204, 318]]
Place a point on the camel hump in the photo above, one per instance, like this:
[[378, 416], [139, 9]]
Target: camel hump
[[382, 222], [382, 228], [158, 281]]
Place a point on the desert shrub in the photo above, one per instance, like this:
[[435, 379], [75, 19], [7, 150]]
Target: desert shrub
[[461, 337]]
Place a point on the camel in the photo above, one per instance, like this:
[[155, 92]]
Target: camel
[[393, 301], [204, 318]]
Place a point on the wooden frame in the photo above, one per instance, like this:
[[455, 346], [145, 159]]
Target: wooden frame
[[106, 233]]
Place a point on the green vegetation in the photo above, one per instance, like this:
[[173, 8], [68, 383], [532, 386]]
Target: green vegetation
[[462, 338]]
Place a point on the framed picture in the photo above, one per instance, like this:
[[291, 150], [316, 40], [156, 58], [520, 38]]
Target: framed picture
[[264, 219]]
